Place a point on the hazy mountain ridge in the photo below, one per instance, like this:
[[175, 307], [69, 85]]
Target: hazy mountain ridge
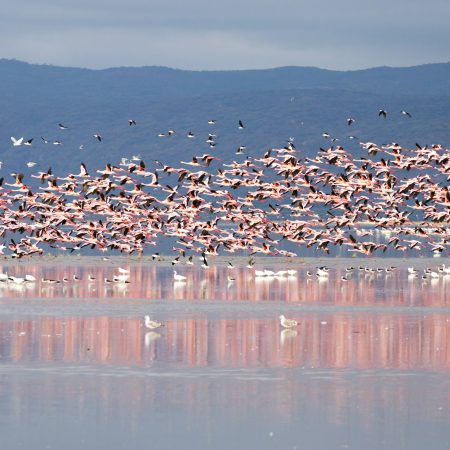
[[429, 79]]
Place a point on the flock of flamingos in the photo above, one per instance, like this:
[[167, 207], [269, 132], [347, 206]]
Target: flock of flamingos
[[269, 204]]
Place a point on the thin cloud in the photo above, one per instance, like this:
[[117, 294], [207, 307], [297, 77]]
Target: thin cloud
[[201, 34]]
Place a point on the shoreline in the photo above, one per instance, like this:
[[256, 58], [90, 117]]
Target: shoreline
[[238, 261]]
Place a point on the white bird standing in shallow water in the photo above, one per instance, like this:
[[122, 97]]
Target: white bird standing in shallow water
[[287, 323], [178, 277], [151, 324], [122, 278]]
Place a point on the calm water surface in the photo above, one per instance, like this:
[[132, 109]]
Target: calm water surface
[[367, 367]]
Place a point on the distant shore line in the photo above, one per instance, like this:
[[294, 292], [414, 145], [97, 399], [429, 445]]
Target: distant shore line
[[237, 261]]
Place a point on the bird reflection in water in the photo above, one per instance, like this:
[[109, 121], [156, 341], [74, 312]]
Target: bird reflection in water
[[287, 334], [151, 336]]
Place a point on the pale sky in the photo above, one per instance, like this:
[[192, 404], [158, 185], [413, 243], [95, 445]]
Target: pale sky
[[230, 34]]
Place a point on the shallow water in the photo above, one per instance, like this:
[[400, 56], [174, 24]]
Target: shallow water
[[367, 367]]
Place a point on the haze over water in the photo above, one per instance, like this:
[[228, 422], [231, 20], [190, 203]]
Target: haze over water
[[367, 367]]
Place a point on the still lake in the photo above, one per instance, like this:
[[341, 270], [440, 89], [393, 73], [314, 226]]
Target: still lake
[[368, 366]]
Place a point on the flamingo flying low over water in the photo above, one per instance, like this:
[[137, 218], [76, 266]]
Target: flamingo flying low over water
[[271, 203]]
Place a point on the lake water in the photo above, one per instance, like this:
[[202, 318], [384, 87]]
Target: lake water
[[367, 367]]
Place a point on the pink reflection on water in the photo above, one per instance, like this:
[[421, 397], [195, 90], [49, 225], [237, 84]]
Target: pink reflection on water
[[156, 283], [321, 341]]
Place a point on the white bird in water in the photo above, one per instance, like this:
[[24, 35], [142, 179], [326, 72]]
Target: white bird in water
[[178, 277], [18, 280], [151, 324], [321, 272], [281, 273], [287, 323], [121, 278], [260, 273]]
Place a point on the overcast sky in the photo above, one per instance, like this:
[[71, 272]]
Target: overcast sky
[[230, 34]]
